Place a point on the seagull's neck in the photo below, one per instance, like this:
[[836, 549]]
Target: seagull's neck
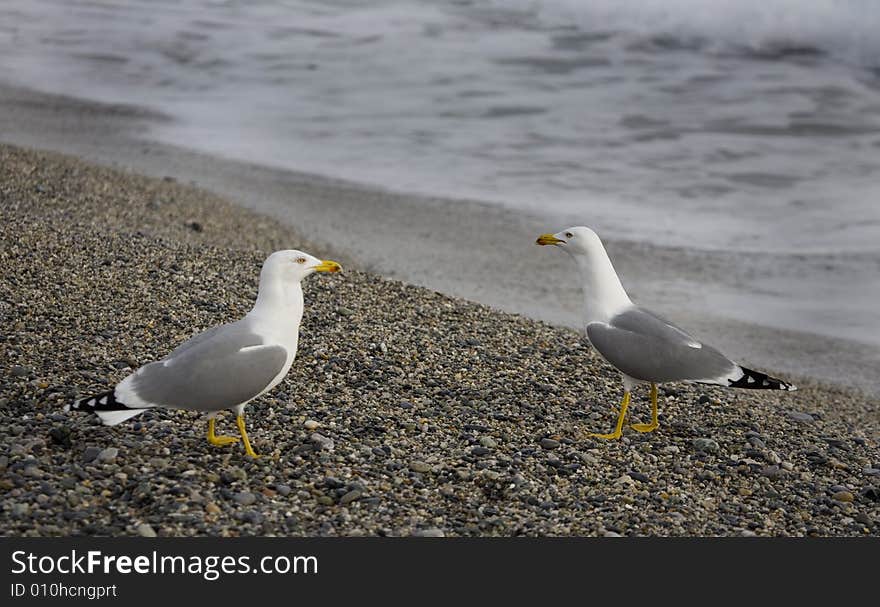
[[279, 306], [604, 296]]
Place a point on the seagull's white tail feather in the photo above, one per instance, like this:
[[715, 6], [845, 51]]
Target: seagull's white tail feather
[[106, 407], [111, 418]]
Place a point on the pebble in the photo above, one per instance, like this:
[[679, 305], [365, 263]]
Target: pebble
[[311, 424], [624, 479], [480, 451], [351, 496], [488, 442], [244, 498], [253, 517], [843, 496], [145, 530], [60, 435], [321, 442], [800, 417], [20, 509], [212, 508], [549, 443], [430, 532], [90, 454], [283, 490], [108, 455], [419, 466], [870, 493], [773, 472], [706, 445], [20, 371]]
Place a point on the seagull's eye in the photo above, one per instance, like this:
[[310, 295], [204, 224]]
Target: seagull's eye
[[569, 235], [300, 260]]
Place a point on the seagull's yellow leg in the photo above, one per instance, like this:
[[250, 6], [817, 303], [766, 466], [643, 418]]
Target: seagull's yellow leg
[[655, 423], [244, 437], [618, 431], [219, 441]]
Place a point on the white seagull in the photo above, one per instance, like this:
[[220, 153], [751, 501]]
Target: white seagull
[[226, 366], [644, 347]]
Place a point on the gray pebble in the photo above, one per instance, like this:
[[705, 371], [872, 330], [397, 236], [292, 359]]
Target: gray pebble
[[145, 530], [706, 445], [253, 517], [549, 443], [430, 532], [321, 442], [864, 519], [283, 489], [244, 498], [107, 455], [90, 454], [800, 417], [772, 472], [419, 466], [351, 496], [488, 442]]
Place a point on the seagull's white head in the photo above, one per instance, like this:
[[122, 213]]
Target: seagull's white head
[[292, 266], [577, 241], [603, 294]]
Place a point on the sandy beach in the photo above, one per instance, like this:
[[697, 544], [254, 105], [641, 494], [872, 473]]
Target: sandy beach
[[434, 415]]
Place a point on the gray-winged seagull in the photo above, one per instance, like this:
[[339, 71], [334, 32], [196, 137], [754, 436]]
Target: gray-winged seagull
[[644, 347], [226, 366]]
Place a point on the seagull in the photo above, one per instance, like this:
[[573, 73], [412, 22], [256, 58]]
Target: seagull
[[642, 346], [226, 366]]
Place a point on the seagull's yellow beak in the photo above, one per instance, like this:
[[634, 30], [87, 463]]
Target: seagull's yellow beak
[[545, 239], [328, 266]]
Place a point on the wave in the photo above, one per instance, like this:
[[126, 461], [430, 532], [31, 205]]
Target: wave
[[846, 30]]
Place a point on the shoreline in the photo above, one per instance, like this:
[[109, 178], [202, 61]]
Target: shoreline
[[467, 249], [437, 415]]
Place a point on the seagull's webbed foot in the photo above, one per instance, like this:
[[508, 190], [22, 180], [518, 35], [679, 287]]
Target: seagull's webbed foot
[[644, 427], [244, 437], [219, 441], [655, 423], [618, 431]]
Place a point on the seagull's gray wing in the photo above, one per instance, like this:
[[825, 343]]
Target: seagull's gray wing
[[199, 338], [644, 322], [216, 370], [644, 346]]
